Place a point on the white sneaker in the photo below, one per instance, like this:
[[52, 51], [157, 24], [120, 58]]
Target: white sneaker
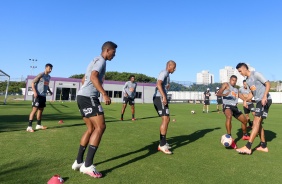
[[168, 146], [164, 149], [75, 166], [40, 127], [91, 171], [29, 129]]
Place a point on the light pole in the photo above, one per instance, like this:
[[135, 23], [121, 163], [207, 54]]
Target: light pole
[[32, 65]]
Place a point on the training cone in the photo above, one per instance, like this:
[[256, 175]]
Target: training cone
[[61, 122], [56, 179]]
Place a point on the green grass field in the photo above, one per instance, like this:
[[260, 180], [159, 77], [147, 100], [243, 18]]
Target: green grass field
[[128, 151]]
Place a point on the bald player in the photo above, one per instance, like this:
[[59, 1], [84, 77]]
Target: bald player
[[244, 94], [161, 104], [91, 109], [260, 87], [230, 93], [40, 86]]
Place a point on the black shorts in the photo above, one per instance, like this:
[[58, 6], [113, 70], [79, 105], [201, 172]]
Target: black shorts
[[262, 111], [206, 102], [89, 106], [39, 102], [250, 108], [128, 100], [219, 101], [161, 109], [234, 109]]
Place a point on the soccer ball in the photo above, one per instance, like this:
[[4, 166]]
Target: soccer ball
[[193, 112], [226, 140]]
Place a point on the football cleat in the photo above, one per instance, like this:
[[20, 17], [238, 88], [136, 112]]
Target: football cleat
[[29, 129], [164, 149], [91, 171], [244, 150], [75, 166], [233, 145], [246, 137], [262, 149], [40, 127]]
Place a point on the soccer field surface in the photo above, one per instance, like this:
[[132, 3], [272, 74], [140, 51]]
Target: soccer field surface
[[128, 150]]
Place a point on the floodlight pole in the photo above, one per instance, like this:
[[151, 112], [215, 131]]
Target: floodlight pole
[[6, 94], [32, 66]]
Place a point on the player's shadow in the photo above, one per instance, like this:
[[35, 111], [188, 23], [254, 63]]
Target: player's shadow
[[269, 135], [175, 142]]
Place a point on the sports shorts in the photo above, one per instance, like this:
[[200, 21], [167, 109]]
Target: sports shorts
[[251, 108], [39, 102], [234, 109], [161, 109], [128, 100], [262, 111], [89, 106]]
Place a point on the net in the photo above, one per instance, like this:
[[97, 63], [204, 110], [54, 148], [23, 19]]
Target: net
[[4, 86]]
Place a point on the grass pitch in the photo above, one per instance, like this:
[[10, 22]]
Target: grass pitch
[[128, 151]]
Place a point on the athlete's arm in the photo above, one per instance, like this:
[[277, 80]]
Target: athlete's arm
[[35, 81], [134, 92], [267, 88], [124, 89], [220, 91], [95, 81], [83, 80], [160, 88]]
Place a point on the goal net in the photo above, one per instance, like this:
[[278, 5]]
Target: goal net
[[4, 86]]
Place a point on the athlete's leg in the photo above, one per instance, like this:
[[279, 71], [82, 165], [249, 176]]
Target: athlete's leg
[[244, 122], [207, 108], [133, 111], [39, 113], [228, 116], [32, 113]]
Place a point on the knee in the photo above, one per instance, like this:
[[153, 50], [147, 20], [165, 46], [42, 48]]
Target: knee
[[101, 128]]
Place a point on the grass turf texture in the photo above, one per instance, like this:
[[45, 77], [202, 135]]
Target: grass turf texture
[[128, 151]]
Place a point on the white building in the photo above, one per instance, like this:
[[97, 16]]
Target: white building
[[205, 77], [227, 71]]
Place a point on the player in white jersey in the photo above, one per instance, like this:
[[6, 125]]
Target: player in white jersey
[[206, 96], [40, 87], [218, 100], [92, 111], [260, 91], [244, 94], [129, 93], [161, 104], [229, 93]]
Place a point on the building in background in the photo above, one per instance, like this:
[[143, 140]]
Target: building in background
[[228, 71], [205, 77]]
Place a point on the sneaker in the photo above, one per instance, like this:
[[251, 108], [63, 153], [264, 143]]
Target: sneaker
[[244, 150], [246, 137], [75, 166], [91, 171], [133, 119], [164, 149], [262, 149], [40, 127], [121, 119], [168, 146], [233, 145], [29, 129], [56, 179]]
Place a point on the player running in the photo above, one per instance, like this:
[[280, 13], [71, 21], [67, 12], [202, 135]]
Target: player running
[[229, 93], [207, 95], [40, 86], [218, 99], [161, 104], [260, 91], [91, 109], [129, 92], [244, 94]]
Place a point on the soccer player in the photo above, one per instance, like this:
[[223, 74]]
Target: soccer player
[[207, 95], [40, 86], [129, 92], [229, 93], [218, 99], [161, 104], [260, 91], [244, 94], [91, 109]]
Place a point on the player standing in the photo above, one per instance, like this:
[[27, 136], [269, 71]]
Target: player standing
[[161, 104], [129, 92], [207, 95], [229, 93], [91, 109], [40, 86], [244, 94], [218, 99], [260, 90]]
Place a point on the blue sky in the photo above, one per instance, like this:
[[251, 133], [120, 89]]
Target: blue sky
[[197, 34]]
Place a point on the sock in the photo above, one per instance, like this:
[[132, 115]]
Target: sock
[[121, 116], [263, 144], [30, 123], [39, 122], [80, 154], [249, 145], [90, 155], [162, 140], [132, 116]]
